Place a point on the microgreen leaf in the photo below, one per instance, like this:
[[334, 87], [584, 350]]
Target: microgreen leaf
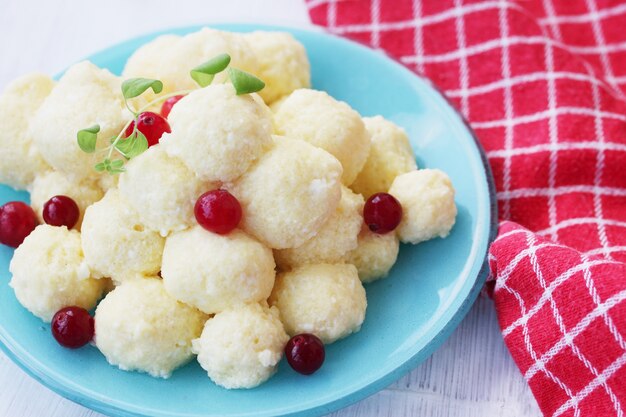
[[133, 145], [100, 167], [135, 87], [118, 163], [203, 74], [87, 138], [244, 82]]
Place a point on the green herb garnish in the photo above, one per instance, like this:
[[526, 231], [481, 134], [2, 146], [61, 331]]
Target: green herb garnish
[[87, 138], [244, 82], [203, 74], [137, 143]]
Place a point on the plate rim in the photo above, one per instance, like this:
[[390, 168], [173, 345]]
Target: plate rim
[[101, 405]]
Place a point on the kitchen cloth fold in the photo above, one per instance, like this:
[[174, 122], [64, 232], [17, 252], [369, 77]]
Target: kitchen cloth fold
[[543, 84]]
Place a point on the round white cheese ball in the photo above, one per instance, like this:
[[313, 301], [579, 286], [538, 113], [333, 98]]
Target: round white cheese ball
[[374, 255], [20, 160], [241, 347], [283, 64], [289, 193], [140, 327], [50, 273], [337, 236], [162, 190], [428, 209], [214, 272], [116, 244], [170, 58], [217, 133], [53, 183], [390, 156], [332, 125], [325, 300], [86, 95]]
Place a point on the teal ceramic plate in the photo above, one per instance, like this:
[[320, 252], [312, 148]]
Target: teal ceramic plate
[[409, 315]]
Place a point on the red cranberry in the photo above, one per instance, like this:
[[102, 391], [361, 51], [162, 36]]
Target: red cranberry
[[61, 210], [305, 353], [72, 327], [382, 213], [166, 108], [17, 220], [218, 211], [152, 125]]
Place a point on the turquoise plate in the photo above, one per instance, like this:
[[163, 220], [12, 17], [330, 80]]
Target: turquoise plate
[[410, 314]]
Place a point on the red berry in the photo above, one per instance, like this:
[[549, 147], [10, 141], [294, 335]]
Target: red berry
[[61, 210], [382, 213], [218, 211], [152, 125], [17, 220], [305, 353], [166, 108], [72, 327]]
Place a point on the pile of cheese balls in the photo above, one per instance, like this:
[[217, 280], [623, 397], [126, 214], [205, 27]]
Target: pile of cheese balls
[[300, 165]]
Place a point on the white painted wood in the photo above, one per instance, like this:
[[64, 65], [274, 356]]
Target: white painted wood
[[472, 375]]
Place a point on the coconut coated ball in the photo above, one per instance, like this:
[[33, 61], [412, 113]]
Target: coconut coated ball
[[170, 58], [336, 237], [289, 193], [162, 190], [116, 244], [324, 299], [53, 183], [332, 125], [375, 255], [241, 347], [428, 209], [390, 156], [86, 95], [283, 63], [20, 160], [215, 272], [217, 133], [140, 327], [49, 272]]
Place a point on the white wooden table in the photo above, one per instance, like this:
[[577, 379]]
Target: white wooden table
[[471, 375]]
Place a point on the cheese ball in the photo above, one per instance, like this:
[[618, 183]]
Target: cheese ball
[[428, 209], [162, 190], [215, 272], [332, 125], [283, 64], [140, 327], [170, 58], [20, 160], [217, 133], [116, 244], [241, 347], [337, 236], [324, 299], [289, 193], [86, 95], [49, 272], [374, 255], [390, 156], [53, 183]]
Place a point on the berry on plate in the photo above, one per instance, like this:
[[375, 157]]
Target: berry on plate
[[152, 125], [305, 353], [72, 327], [61, 210], [382, 213], [17, 220]]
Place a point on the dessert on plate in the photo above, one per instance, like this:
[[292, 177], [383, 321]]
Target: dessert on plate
[[206, 204]]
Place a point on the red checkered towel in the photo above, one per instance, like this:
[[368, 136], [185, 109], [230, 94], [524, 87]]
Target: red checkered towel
[[543, 84]]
